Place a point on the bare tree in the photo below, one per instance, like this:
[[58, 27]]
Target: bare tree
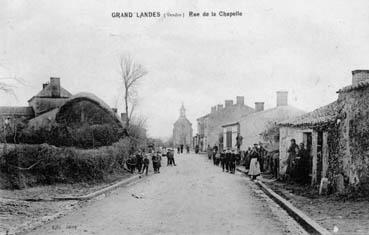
[[130, 72]]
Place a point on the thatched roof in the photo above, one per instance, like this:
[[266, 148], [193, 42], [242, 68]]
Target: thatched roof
[[320, 116], [93, 98], [52, 114], [16, 111]]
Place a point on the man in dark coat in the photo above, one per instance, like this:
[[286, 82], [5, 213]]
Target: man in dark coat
[[139, 159], [209, 151], [223, 160], [232, 162], [302, 165], [291, 160], [228, 156], [146, 163]]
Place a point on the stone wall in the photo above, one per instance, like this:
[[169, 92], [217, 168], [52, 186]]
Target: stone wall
[[354, 136]]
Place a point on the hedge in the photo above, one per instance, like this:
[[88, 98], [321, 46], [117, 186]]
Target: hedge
[[31, 165]]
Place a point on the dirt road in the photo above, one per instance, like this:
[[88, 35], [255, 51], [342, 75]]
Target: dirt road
[[195, 197]]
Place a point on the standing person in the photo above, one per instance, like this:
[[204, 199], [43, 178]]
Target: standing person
[[303, 165], [155, 162], [232, 162], [146, 163], [197, 149], [131, 163], [209, 151], [262, 154], [248, 158], [239, 139], [188, 148], [254, 163], [170, 156], [178, 149], [159, 160], [291, 160], [275, 163], [215, 150], [139, 159], [227, 159], [181, 148], [223, 159]]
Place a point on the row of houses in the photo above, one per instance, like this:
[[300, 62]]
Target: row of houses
[[336, 135]]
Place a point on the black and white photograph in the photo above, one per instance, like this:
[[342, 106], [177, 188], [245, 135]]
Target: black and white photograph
[[184, 117]]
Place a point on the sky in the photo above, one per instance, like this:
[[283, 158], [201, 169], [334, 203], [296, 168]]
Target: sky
[[307, 48]]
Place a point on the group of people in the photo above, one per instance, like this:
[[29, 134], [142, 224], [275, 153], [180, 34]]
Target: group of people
[[227, 159], [140, 161], [298, 162], [181, 147]]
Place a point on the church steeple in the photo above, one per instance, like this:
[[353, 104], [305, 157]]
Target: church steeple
[[183, 111]]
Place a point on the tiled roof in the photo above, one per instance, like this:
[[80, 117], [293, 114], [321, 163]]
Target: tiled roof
[[17, 111], [359, 85], [320, 116]]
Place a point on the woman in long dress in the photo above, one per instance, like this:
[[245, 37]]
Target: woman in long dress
[[254, 170]]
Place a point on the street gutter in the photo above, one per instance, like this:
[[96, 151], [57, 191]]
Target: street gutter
[[305, 221], [101, 191]]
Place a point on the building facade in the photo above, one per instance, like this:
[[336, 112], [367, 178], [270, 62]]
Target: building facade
[[336, 136], [254, 125], [182, 130], [211, 124]]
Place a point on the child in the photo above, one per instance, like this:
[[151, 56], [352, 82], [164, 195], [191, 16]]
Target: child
[[146, 163]]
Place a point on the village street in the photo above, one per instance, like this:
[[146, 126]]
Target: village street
[[195, 197]]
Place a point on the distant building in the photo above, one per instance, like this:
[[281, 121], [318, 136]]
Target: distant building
[[182, 130], [211, 124], [252, 126]]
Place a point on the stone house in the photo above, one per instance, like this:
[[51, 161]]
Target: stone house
[[55, 104], [338, 135], [312, 129], [221, 115], [253, 125]]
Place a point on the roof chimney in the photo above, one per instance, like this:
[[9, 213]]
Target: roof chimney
[[55, 87], [359, 76], [282, 98], [228, 103], [213, 109], [219, 107], [44, 85], [259, 106], [240, 100]]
